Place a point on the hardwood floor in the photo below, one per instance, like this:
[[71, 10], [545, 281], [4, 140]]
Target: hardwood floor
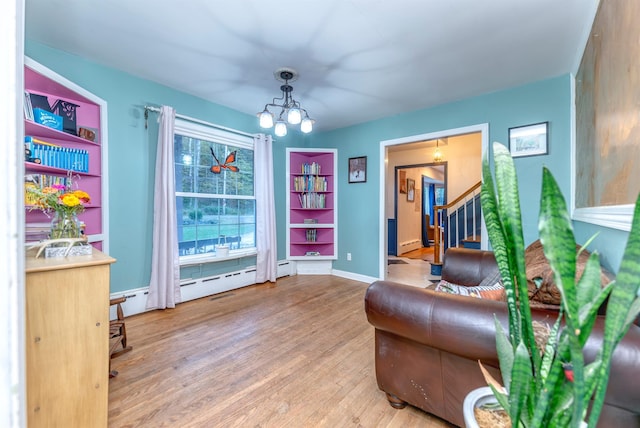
[[424, 253], [295, 354]]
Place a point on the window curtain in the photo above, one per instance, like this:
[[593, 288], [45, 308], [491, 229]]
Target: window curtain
[[164, 287], [266, 242]]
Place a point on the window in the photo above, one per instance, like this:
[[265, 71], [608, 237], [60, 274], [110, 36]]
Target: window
[[215, 206], [440, 195]]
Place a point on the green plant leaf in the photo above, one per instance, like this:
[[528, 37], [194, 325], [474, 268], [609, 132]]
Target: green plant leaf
[[558, 242], [510, 216], [590, 296], [506, 353], [559, 245], [590, 376], [548, 400], [497, 237], [589, 284], [634, 311], [521, 380], [502, 398], [550, 348]]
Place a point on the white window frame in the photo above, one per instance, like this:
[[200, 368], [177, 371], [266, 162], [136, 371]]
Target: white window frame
[[218, 136]]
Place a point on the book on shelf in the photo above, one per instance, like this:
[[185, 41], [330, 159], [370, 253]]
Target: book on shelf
[[306, 183], [312, 200], [45, 180], [28, 108], [311, 235], [57, 156], [311, 168], [40, 101]]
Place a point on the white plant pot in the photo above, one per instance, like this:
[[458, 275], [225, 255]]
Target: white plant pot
[[474, 399], [222, 251], [477, 398]]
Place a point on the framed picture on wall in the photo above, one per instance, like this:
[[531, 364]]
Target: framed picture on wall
[[411, 189], [358, 169], [529, 140], [402, 181]]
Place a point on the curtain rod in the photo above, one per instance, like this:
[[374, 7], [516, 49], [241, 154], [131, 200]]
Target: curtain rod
[[147, 109]]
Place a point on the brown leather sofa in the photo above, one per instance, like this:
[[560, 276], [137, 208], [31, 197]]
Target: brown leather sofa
[[428, 343]]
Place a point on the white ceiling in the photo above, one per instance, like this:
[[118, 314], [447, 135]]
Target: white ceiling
[[358, 60]]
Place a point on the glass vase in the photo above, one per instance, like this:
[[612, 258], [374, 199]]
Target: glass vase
[[65, 225]]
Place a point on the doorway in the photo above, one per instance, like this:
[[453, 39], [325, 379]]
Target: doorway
[[434, 193], [463, 160], [409, 230]]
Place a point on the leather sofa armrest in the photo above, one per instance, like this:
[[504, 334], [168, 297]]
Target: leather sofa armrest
[[468, 267], [457, 324]]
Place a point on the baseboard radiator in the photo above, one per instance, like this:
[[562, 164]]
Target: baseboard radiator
[[191, 289], [407, 246]]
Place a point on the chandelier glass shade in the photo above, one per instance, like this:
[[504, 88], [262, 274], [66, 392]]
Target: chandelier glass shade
[[290, 110], [437, 155]]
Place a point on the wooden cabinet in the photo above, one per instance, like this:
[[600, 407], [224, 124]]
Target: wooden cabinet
[[65, 151], [312, 208], [67, 340]]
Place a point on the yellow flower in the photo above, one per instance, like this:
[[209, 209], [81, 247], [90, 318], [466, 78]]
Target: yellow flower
[[70, 200], [82, 195], [58, 198]]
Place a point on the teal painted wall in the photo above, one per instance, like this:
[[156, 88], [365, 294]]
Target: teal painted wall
[[610, 243], [132, 154], [359, 220]]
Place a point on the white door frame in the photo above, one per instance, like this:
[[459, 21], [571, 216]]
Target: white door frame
[[482, 128], [12, 319]]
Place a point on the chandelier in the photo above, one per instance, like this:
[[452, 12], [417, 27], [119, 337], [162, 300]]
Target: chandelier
[[290, 109], [437, 155]]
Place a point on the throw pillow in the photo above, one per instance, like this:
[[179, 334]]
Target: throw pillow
[[491, 292], [540, 283]]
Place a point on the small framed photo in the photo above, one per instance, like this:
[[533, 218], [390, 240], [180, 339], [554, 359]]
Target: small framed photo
[[358, 169], [411, 189], [402, 180], [529, 140]]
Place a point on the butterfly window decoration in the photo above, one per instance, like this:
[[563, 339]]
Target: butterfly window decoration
[[218, 167]]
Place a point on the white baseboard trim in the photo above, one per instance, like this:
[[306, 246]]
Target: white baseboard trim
[[354, 276], [191, 289]]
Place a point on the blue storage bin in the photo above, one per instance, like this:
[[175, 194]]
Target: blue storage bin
[[47, 118]]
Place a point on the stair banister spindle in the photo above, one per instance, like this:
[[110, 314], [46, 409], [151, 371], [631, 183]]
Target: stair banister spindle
[[437, 244]]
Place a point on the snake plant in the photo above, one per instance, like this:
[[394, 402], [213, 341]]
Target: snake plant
[[554, 387]]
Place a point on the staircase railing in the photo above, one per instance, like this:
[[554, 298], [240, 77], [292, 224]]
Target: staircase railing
[[460, 206]]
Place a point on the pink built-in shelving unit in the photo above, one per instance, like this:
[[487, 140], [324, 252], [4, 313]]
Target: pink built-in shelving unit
[[312, 207], [91, 112]]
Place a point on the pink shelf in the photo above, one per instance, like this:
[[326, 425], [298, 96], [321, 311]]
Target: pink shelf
[[325, 235], [44, 132], [42, 81], [311, 243], [301, 250], [31, 167]]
